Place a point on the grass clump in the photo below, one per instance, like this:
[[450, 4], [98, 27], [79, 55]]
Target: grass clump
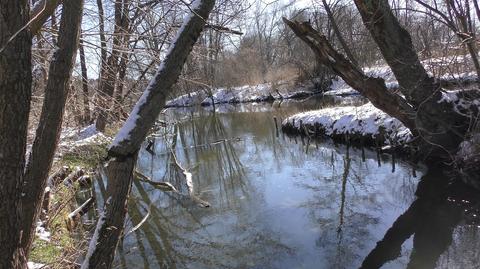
[[86, 156]]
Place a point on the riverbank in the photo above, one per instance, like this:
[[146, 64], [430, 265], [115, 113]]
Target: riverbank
[[365, 125], [247, 94]]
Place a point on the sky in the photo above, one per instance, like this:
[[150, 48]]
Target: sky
[[91, 22]]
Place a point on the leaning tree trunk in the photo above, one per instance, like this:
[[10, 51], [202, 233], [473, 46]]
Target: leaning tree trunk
[[49, 127], [372, 88], [422, 110], [15, 95], [436, 121], [123, 151]]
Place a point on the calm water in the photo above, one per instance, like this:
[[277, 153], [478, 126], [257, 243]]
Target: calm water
[[280, 202]]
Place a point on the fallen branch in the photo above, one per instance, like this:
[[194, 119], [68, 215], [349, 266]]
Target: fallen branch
[[74, 217], [163, 186], [172, 191]]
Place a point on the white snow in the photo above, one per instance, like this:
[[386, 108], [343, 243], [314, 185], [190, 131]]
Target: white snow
[[72, 138], [42, 233], [34, 265], [243, 94], [364, 120]]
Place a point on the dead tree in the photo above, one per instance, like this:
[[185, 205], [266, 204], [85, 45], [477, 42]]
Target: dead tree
[[123, 152], [420, 108]]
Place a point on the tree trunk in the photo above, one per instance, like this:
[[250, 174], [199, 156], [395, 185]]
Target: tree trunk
[[123, 151], [372, 88], [41, 11], [100, 122], [15, 96], [86, 103], [108, 81], [440, 127], [49, 127]]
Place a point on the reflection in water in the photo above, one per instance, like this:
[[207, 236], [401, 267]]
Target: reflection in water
[[274, 203], [441, 207]]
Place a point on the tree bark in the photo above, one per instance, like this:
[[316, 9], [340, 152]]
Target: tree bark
[[15, 96], [441, 128], [123, 151], [372, 88], [48, 130], [40, 12], [108, 81], [83, 65]]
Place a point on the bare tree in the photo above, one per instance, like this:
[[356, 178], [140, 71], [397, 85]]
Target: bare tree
[[338, 34], [49, 127], [421, 109], [123, 151], [457, 16]]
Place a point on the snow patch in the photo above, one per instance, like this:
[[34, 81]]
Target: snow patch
[[365, 120], [34, 265], [42, 233]]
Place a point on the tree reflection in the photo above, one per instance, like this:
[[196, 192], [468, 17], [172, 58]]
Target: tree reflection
[[441, 206]]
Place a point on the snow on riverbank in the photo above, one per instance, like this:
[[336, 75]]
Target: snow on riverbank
[[72, 138], [285, 90], [245, 94], [362, 122]]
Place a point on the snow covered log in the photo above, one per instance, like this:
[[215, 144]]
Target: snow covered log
[[123, 151]]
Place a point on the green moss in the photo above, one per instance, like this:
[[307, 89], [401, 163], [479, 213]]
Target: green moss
[[87, 156], [61, 242]]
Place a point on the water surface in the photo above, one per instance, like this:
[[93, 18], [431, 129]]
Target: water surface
[[277, 201]]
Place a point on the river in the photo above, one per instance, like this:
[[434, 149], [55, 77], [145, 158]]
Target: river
[[287, 202]]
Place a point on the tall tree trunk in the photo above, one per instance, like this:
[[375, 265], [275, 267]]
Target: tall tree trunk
[[49, 127], [15, 96], [103, 66], [83, 64], [108, 81], [436, 121], [123, 151]]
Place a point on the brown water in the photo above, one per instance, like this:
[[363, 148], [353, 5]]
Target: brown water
[[280, 202]]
